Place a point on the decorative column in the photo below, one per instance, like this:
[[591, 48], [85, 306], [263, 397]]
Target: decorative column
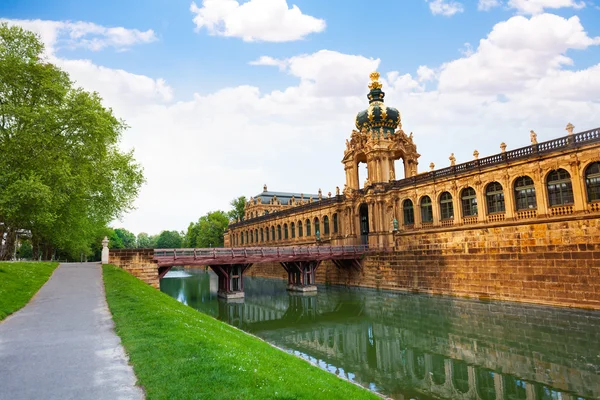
[[509, 199], [541, 196], [579, 191]]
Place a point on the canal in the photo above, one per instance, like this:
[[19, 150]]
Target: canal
[[415, 346]]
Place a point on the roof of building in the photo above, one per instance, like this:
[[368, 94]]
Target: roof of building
[[284, 197]]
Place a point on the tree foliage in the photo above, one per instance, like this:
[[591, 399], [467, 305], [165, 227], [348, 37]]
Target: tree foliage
[[169, 240], [208, 231], [62, 175], [145, 241], [239, 206], [128, 238]]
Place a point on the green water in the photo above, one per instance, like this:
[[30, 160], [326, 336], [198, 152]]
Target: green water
[[415, 346]]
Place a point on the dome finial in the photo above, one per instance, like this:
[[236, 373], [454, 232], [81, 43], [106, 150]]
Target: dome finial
[[375, 84]]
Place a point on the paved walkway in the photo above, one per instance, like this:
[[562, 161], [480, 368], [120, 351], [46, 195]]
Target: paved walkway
[[62, 344]]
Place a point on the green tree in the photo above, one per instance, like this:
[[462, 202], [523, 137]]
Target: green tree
[[62, 175], [128, 238], [144, 241], [26, 250], [114, 240], [169, 240], [208, 231], [239, 206]]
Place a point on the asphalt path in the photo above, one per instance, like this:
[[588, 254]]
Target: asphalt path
[[62, 345]]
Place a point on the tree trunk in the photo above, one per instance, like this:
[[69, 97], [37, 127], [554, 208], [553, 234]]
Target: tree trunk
[[8, 249]]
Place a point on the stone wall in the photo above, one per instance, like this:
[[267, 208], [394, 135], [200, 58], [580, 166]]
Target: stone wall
[[555, 263], [138, 262]]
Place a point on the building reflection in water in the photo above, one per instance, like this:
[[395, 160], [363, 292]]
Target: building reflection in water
[[406, 345]]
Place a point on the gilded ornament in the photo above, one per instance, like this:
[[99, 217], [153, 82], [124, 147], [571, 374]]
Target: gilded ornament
[[375, 84]]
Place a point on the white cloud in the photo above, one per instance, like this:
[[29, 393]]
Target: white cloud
[[445, 7], [56, 34], [486, 5], [270, 61], [201, 150], [538, 6], [326, 72], [255, 20], [424, 73], [517, 53]]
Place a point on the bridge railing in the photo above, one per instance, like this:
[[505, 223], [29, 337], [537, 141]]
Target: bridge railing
[[259, 252]]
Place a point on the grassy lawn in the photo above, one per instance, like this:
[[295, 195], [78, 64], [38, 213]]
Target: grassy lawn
[[19, 281], [180, 353]]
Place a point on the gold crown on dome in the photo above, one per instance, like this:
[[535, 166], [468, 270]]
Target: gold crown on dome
[[375, 84]]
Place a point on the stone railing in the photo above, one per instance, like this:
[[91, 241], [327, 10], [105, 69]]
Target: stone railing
[[561, 210], [526, 214], [469, 220], [498, 217], [564, 143]]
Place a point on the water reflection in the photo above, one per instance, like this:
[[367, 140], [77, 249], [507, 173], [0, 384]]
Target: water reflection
[[413, 345]]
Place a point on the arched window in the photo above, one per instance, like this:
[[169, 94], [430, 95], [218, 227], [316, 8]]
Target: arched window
[[317, 226], [469, 202], [335, 223], [525, 193], [247, 237], [278, 232], [273, 232], [251, 237], [262, 235], [494, 196], [513, 387], [592, 181], [293, 229], [326, 225], [446, 207], [460, 376], [285, 232], [300, 232], [438, 369], [256, 236], [560, 189], [419, 365], [408, 212], [485, 387], [242, 237], [426, 210], [308, 227]]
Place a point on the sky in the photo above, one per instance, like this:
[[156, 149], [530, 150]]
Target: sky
[[224, 96]]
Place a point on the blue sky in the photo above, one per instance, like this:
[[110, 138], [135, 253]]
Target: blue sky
[[201, 110]]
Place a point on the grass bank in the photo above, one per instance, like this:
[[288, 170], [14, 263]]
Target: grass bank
[[180, 353], [19, 281]]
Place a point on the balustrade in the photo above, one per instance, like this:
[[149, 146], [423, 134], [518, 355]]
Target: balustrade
[[561, 210], [498, 217], [526, 214]]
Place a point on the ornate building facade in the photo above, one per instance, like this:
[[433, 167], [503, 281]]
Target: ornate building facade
[[520, 225], [555, 179]]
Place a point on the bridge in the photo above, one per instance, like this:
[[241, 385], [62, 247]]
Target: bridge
[[229, 264]]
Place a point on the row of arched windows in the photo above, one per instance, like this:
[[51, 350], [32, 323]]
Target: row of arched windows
[[559, 189], [285, 232]]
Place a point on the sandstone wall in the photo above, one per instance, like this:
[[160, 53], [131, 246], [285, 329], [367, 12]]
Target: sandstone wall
[[138, 262], [556, 263]]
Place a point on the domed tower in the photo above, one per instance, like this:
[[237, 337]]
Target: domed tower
[[378, 141]]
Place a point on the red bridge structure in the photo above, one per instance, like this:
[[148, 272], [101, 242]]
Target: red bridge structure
[[229, 264]]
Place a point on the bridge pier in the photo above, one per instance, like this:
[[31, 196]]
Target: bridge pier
[[301, 275], [231, 280]]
